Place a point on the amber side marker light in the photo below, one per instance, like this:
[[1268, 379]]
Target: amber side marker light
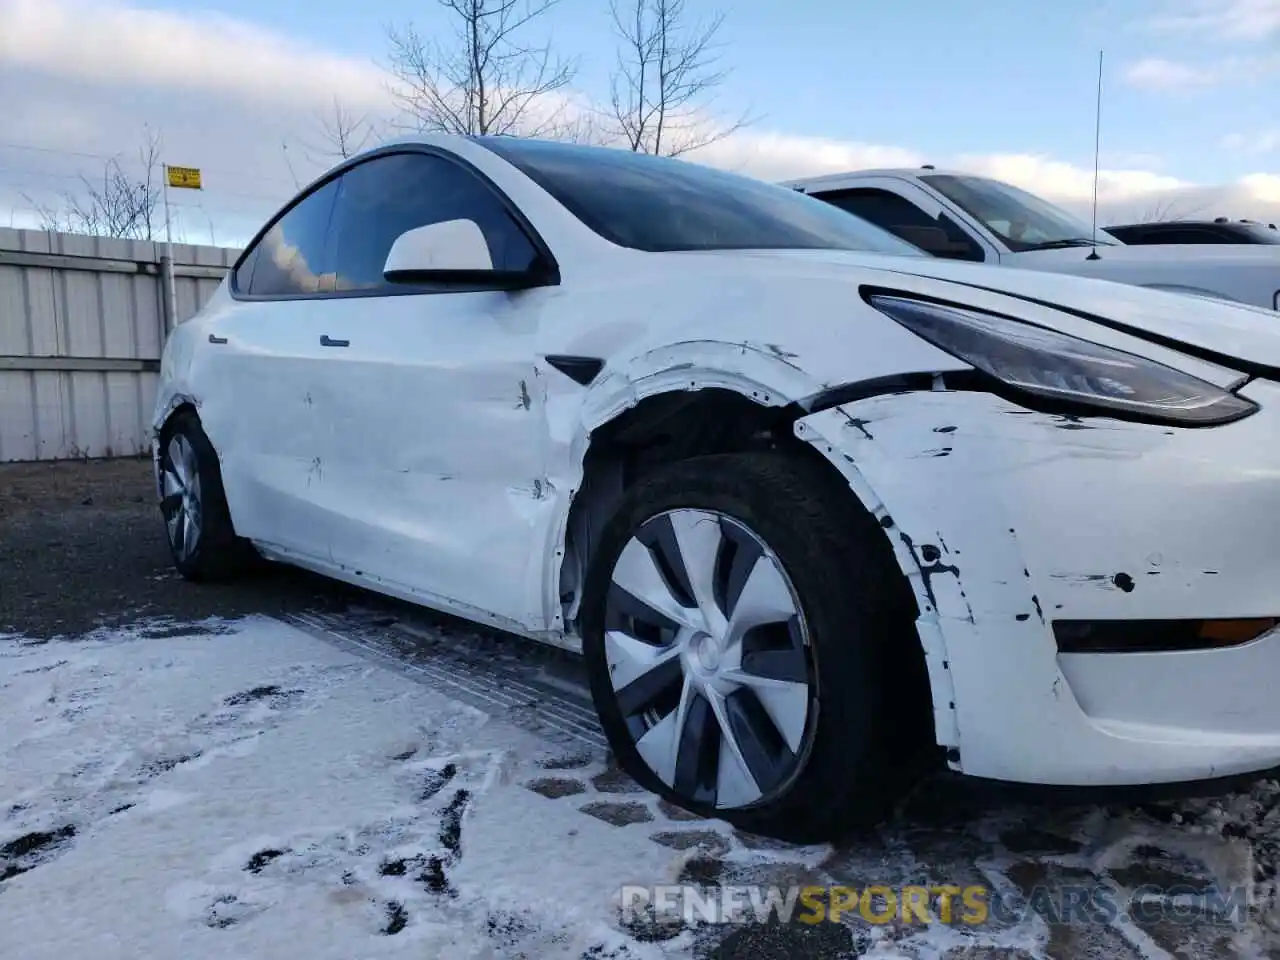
[[1156, 636]]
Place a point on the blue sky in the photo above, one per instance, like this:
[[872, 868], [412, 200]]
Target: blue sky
[[955, 77], [1191, 87]]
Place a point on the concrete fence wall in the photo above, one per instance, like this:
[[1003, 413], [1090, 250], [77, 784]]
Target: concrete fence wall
[[82, 324]]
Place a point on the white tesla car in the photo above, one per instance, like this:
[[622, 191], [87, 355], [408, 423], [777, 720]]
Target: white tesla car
[[812, 506]]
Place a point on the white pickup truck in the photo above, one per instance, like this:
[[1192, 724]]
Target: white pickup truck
[[958, 216]]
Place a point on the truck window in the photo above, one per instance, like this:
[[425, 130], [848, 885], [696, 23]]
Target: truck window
[[942, 237]]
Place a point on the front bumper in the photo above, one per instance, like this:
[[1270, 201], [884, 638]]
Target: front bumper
[[1006, 520]]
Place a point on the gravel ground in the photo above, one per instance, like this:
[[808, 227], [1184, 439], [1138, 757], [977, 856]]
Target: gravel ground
[[82, 545]]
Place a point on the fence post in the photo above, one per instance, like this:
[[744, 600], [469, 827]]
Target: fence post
[[168, 294]]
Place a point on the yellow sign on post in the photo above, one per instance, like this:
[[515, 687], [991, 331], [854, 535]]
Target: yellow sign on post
[[184, 177]]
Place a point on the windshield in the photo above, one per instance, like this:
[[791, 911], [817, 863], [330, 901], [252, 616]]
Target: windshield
[[661, 204], [1022, 220]]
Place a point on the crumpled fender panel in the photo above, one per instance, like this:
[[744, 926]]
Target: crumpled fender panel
[[1004, 519]]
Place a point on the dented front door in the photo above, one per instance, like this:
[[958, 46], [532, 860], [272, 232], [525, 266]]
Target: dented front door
[[432, 440]]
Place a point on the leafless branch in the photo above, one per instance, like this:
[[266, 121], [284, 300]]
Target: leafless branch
[[663, 87], [340, 134], [484, 79], [121, 204], [1163, 211]]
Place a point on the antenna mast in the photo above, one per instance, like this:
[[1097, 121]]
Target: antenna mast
[[1097, 148]]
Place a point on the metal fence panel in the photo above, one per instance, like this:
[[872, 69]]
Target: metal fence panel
[[82, 325]]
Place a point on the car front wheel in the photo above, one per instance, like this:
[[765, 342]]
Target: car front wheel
[[751, 647]]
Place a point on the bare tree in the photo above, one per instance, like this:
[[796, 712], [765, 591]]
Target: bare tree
[[1163, 211], [341, 134], [668, 69], [122, 204], [484, 79]]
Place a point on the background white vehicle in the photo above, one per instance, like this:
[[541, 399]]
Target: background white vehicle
[[813, 516], [958, 216]]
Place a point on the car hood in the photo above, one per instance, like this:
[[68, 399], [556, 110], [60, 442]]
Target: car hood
[[1233, 334]]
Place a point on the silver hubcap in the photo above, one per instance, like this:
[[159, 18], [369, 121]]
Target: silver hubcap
[[709, 659], [182, 509]]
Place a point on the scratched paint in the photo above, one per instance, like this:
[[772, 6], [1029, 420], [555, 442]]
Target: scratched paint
[[1082, 513]]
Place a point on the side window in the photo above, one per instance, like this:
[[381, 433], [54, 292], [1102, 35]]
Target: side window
[[1191, 235], [243, 279], [290, 258], [942, 237], [387, 196]]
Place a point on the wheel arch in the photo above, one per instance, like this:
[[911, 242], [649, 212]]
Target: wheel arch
[[675, 415], [929, 633]]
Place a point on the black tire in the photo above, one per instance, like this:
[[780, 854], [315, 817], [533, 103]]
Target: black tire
[[215, 553], [871, 732]]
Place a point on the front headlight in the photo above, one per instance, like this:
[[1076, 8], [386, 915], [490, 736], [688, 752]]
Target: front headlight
[[1035, 360]]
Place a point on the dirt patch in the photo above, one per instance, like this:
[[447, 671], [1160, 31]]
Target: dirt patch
[[82, 545]]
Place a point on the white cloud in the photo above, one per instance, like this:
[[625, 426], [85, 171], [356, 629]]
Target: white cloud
[[1225, 19], [228, 97], [112, 44], [1156, 73]]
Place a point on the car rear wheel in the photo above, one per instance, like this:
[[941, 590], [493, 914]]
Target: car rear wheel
[[198, 526], [743, 622]]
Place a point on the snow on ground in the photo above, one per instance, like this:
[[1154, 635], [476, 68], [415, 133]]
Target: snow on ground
[[250, 791], [256, 789]]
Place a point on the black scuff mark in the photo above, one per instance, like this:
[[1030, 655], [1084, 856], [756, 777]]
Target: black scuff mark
[[947, 429], [1153, 573], [1081, 578], [861, 425], [886, 522], [316, 470], [777, 351], [942, 452], [1068, 422], [1039, 609], [525, 401], [537, 488], [1124, 582], [1022, 617], [929, 560], [1211, 573], [306, 399]]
